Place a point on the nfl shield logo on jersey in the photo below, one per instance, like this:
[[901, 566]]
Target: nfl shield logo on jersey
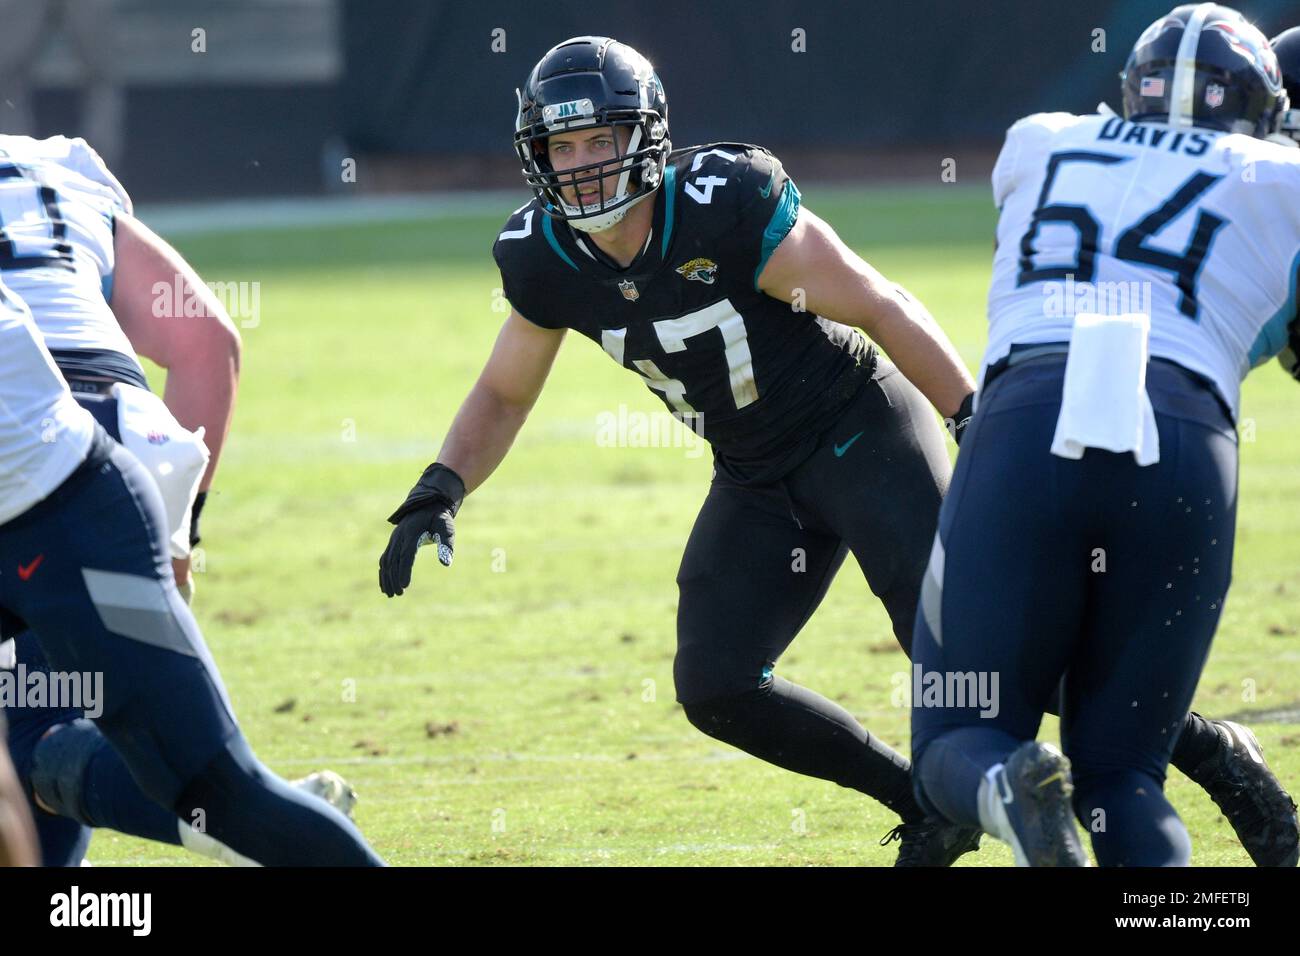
[[628, 288], [1213, 95]]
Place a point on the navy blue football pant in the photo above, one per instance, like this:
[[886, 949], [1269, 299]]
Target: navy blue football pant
[[1108, 574], [83, 766], [109, 796], [102, 601], [63, 841]]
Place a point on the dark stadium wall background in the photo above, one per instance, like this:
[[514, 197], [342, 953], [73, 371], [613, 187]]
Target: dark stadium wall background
[[420, 78]]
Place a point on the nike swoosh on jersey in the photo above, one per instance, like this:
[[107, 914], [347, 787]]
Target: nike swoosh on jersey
[[767, 190], [25, 572], [841, 449]]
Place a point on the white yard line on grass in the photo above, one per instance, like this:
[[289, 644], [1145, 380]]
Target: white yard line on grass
[[245, 215], [714, 756], [242, 215]]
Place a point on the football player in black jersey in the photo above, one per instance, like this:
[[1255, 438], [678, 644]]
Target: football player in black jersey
[[698, 270]]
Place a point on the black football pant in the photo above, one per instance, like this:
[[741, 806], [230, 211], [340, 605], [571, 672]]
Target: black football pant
[[760, 559]]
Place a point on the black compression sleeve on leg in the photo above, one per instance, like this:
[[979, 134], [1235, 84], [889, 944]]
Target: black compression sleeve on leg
[[797, 729]]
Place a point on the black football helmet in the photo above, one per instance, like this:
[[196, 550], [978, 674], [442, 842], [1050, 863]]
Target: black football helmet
[[593, 81], [1205, 65], [1286, 46]]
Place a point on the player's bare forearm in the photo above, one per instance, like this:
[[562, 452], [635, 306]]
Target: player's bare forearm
[[832, 281], [201, 352], [498, 404], [914, 342], [17, 835], [482, 433], [203, 393]]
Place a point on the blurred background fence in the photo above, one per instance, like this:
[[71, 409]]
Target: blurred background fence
[[201, 99]]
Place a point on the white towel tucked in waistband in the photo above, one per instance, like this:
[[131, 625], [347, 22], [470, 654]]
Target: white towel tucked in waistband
[[1104, 403]]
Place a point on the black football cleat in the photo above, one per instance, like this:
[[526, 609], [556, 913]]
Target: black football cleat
[[1030, 799], [1262, 814], [932, 842]]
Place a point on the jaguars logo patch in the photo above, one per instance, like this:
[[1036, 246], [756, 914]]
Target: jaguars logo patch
[[701, 270]]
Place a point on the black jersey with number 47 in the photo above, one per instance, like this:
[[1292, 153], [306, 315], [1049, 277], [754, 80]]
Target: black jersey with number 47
[[759, 378]]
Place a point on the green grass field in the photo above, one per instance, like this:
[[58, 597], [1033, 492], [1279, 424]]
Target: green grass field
[[518, 709]]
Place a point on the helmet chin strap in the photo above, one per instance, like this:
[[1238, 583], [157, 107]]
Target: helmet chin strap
[[605, 220]]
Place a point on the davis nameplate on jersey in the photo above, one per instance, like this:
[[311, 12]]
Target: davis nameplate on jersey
[[1202, 225], [628, 288], [700, 270]]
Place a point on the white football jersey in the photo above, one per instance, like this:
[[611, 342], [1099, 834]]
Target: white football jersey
[[57, 203], [44, 433], [1198, 229]]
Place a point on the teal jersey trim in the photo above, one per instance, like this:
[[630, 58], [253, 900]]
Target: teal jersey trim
[[783, 217], [1272, 337], [670, 198], [548, 230]]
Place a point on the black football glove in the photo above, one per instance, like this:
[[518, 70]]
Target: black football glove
[[425, 517], [1290, 357], [199, 501], [957, 424]]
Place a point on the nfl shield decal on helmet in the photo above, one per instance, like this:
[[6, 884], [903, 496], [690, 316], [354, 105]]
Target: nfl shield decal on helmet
[[701, 270], [1213, 95], [628, 288]]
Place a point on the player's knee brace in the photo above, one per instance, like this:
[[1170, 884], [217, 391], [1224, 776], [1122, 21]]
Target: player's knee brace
[[59, 763]]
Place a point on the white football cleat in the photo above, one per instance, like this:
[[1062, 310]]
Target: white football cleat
[[331, 788], [325, 784]]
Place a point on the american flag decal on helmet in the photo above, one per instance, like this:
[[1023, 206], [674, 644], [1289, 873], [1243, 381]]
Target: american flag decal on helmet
[[1152, 86]]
